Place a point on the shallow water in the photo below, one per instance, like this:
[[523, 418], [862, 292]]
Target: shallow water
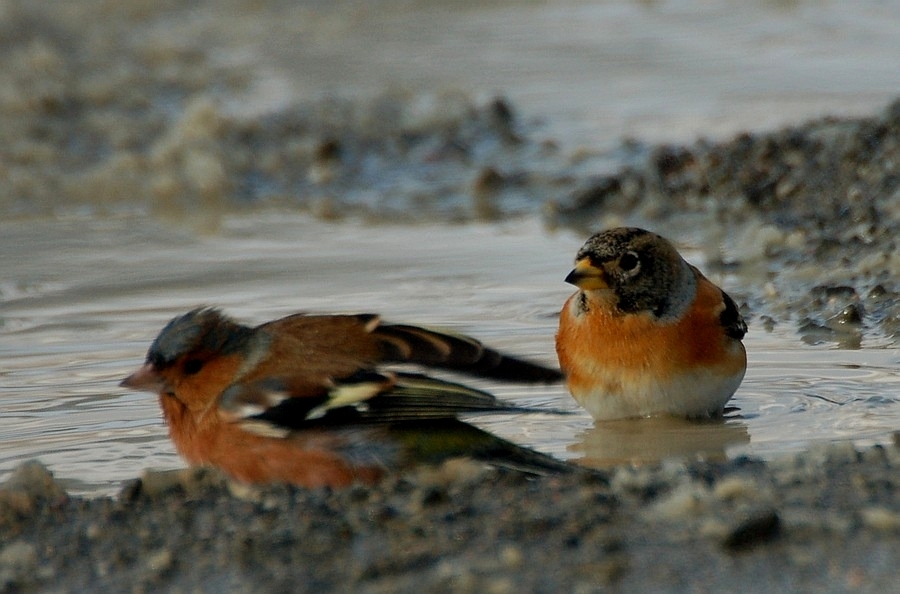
[[82, 299]]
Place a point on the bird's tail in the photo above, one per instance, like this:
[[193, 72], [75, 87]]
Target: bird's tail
[[433, 442], [458, 352]]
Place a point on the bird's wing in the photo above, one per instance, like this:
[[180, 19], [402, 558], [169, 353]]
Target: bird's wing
[[334, 369], [327, 339], [729, 315], [366, 397], [731, 318]]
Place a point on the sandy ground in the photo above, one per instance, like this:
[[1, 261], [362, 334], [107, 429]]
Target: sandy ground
[[824, 521]]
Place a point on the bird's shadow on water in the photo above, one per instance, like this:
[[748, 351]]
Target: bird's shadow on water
[[650, 440]]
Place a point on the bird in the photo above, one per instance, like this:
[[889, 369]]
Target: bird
[[328, 400], [646, 333]]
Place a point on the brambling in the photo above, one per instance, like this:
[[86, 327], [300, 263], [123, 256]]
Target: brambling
[[307, 400], [646, 333]]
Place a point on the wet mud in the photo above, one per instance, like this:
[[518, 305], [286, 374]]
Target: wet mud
[[826, 521]]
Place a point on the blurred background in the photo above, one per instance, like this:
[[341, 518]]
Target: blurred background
[[186, 105]]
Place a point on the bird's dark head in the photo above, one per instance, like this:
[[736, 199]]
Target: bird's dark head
[[636, 269], [184, 347]]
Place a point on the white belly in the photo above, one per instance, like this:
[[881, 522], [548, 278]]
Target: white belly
[[697, 394]]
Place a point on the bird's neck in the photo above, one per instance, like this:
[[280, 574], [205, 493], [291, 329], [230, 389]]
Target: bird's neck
[[188, 433]]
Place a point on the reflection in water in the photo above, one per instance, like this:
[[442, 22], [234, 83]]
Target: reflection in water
[[649, 440]]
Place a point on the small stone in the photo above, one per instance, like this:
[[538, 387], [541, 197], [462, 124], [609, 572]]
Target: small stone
[[687, 500], [511, 556], [18, 565], [880, 518], [500, 585], [485, 189], [33, 479], [328, 150], [160, 561], [852, 314], [155, 483], [93, 531], [27, 487], [736, 487], [877, 293], [758, 528]]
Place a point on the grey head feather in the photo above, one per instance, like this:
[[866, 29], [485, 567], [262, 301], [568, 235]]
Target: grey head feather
[[201, 329], [663, 283]]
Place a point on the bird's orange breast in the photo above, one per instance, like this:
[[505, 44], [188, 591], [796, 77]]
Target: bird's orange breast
[[308, 461], [602, 350]]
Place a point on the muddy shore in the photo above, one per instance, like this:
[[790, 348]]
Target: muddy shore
[[824, 521]]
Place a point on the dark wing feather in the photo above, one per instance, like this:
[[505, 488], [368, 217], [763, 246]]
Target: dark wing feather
[[417, 412], [457, 352], [434, 441], [335, 378], [368, 397], [416, 397], [731, 318]]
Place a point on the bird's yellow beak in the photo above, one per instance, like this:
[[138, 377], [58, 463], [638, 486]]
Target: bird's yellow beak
[[586, 276], [145, 379]]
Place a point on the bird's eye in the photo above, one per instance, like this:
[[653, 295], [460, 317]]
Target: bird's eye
[[629, 261], [192, 366]]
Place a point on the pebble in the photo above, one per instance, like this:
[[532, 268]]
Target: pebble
[[28, 487], [18, 565], [758, 528], [737, 487], [880, 518]]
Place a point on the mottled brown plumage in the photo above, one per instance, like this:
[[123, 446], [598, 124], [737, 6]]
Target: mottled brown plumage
[[312, 399], [647, 333]]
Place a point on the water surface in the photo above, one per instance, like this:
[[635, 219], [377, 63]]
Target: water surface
[[83, 298]]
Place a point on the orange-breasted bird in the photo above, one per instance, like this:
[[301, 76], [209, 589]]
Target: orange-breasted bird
[[646, 333], [309, 400]]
